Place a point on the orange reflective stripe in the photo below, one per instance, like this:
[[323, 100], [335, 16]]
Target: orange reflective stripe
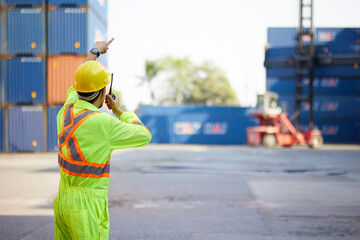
[[91, 164], [79, 150], [76, 164], [84, 174], [64, 116], [77, 114], [76, 126]]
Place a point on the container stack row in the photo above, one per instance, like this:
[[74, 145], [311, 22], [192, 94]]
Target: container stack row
[[43, 42], [197, 125], [336, 82]]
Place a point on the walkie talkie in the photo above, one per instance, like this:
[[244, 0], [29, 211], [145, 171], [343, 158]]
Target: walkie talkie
[[111, 94]]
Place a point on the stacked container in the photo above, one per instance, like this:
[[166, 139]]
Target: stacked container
[[23, 74], [197, 125], [336, 84], [43, 44]]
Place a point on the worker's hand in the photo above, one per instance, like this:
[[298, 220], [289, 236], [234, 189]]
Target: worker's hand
[[103, 46], [114, 104]]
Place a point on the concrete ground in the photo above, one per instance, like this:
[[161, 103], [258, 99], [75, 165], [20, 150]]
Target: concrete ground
[[170, 192]]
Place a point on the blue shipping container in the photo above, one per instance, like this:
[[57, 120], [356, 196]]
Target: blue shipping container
[[25, 31], [322, 50], [325, 107], [322, 86], [1, 129], [2, 95], [98, 6], [197, 125], [24, 2], [26, 129], [337, 131], [287, 37], [74, 31], [344, 71], [25, 80], [193, 109], [52, 112]]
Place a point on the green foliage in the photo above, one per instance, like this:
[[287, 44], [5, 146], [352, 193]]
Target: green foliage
[[180, 81]]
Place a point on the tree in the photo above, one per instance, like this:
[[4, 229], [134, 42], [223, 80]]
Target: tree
[[179, 81], [211, 87], [151, 70]]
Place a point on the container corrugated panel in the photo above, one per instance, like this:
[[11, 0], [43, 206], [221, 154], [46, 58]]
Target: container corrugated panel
[[193, 109], [25, 80], [281, 37], [1, 129], [52, 127], [344, 71], [203, 129], [197, 125], [325, 107], [61, 71], [96, 32], [337, 131], [74, 31], [2, 83], [98, 6], [322, 86], [158, 126], [26, 129], [25, 31], [24, 2], [287, 37], [352, 71]]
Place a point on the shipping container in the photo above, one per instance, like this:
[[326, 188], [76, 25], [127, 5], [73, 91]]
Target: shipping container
[[25, 80], [322, 50], [98, 6], [287, 37], [322, 86], [1, 129], [60, 75], [26, 129], [193, 109], [52, 127], [325, 107], [74, 31], [2, 83], [24, 3], [25, 31], [197, 125], [345, 71], [337, 131]]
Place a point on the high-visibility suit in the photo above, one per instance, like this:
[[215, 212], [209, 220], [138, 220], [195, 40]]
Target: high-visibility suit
[[86, 139]]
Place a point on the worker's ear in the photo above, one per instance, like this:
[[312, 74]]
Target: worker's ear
[[103, 91]]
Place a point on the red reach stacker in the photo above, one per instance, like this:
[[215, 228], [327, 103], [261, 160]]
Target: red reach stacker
[[275, 128]]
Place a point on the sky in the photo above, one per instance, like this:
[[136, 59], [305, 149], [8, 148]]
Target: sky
[[230, 33]]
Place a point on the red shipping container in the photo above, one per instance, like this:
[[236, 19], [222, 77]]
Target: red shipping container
[[61, 71]]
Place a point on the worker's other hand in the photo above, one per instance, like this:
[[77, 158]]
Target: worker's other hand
[[103, 46], [114, 104]]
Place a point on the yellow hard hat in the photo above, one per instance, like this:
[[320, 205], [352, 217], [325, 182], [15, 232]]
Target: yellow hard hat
[[91, 77]]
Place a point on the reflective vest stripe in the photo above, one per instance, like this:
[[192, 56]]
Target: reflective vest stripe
[[102, 165], [83, 169], [76, 164]]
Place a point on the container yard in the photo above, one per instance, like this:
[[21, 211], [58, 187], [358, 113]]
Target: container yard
[[44, 43], [187, 120]]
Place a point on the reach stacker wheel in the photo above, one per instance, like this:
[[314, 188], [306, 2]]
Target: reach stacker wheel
[[269, 140], [316, 142]]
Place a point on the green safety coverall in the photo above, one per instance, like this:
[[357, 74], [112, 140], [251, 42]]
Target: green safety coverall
[[86, 139]]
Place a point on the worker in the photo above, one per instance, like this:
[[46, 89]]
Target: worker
[[86, 139]]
